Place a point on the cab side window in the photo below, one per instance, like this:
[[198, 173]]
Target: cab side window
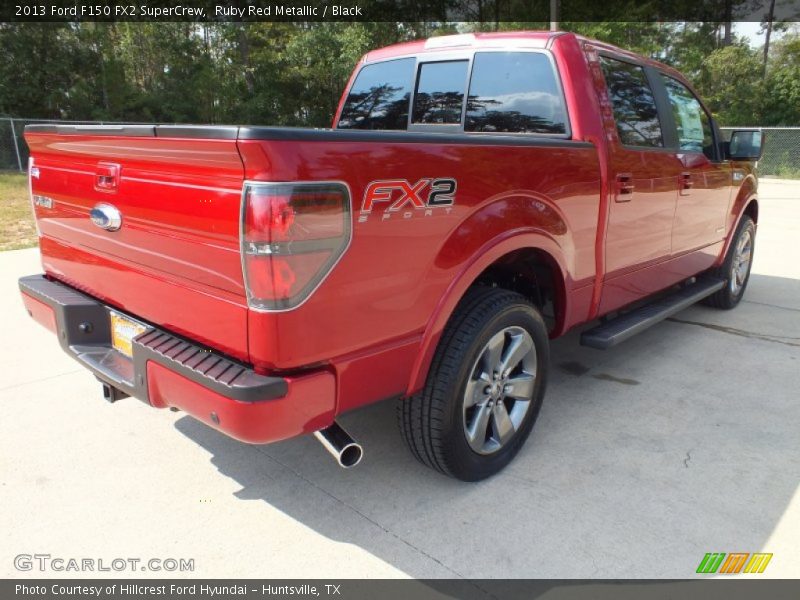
[[694, 126], [380, 97], [633, 103]]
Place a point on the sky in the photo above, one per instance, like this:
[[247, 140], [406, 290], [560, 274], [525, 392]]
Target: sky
[[751, 30]]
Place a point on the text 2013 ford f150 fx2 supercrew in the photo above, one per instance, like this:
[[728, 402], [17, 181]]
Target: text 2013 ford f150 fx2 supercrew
[[477, 195]]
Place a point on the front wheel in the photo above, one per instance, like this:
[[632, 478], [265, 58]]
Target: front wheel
[[736, 268], [484, 389]]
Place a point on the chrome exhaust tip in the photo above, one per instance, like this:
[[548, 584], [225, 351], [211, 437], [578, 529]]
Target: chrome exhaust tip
[[342, 447]]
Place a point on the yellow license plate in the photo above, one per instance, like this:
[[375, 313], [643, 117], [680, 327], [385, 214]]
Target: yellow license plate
[[123, 330]]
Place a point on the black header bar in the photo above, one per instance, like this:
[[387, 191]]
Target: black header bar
[[529, 12]]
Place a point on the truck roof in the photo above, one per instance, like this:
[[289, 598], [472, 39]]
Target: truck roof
[[505, 39], [498, 39]]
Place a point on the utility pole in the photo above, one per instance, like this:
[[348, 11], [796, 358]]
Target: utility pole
[[770, 17], [728, 24], [553, 15]]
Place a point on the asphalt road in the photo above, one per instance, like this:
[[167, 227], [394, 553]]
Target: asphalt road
[[682, 441]]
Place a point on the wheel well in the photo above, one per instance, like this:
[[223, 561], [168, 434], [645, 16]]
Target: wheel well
[[751, 210], [532, 273]]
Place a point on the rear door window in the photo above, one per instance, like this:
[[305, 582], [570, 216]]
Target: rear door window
[[439, 97], [633, 103], [514, 92], [380, 96]]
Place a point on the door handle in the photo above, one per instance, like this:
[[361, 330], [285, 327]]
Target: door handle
[[625, 187], [686, 183]]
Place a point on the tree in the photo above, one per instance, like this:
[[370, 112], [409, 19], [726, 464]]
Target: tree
[[39, 69], [782, 98], [731, 84], [292, 73]]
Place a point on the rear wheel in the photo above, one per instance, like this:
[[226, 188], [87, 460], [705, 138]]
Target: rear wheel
[[484, 389], [736, 268]]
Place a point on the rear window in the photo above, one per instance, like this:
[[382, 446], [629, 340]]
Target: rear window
[[514, 92], [380, 96], [509, 92], [440, 92]]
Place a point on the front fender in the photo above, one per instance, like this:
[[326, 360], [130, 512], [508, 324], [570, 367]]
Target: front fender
[[745, 196]]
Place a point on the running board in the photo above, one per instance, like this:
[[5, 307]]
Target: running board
[[629, 324]]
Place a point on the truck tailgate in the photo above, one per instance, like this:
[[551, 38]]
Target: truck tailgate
[[175, 257]]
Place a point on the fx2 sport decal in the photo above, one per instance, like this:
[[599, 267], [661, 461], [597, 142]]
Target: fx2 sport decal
[[402, 199]]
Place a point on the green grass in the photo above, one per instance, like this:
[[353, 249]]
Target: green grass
[[787, 172], [17, 229]]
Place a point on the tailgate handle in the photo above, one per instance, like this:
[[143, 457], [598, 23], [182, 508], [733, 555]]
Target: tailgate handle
[[106, 178]]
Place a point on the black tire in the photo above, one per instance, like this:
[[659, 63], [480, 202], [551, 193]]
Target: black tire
[[730, 295], [434, 421]]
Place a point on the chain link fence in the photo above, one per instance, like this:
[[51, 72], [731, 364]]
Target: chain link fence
[[781, 156], [781, 146]]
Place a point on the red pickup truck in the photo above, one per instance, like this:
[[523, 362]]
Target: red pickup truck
[[476, 196]]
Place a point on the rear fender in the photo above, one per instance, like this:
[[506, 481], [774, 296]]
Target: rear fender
[[500, 227]]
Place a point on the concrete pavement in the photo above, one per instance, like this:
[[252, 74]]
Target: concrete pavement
[[682, 441]]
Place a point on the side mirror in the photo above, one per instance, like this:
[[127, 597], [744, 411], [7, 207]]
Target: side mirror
[[745, 144]]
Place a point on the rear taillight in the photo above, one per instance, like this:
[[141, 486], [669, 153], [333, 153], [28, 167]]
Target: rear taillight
[[33, 172], [292, 236]]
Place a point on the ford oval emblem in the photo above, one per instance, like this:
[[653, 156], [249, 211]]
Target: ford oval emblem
[[106, 217]]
